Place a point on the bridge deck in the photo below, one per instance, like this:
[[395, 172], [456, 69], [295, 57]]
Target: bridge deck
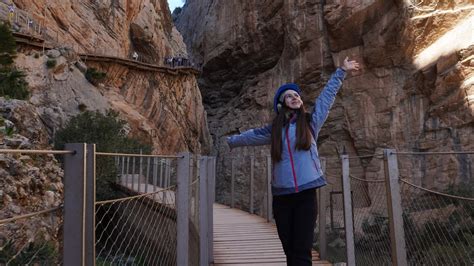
[[244, 239]]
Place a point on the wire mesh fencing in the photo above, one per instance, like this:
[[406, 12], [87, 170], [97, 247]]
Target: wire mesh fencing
[[139, 229], [31, 208], [371, 222], [333, 221], [438, 208], [245, 183]]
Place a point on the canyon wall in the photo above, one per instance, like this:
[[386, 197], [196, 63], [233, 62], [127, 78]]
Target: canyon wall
[[414, 92]]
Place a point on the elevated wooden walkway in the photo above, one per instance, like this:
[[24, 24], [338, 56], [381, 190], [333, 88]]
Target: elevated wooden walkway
[[38, 42], [244, 239]]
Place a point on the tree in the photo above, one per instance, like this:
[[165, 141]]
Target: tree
[[7, 46], [12, 81], [107, 132]]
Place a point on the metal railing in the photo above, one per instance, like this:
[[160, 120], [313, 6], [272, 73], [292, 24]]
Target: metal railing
[[391, 220], [246, 189], [20, 20], [438, 209], [159, 212], [380, 218]]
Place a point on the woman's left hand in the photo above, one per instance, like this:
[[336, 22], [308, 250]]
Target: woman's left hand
[[350, 65]]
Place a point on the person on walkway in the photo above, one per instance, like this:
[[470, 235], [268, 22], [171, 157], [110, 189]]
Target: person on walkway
[[11, 13], [296, 172], [135, 55]]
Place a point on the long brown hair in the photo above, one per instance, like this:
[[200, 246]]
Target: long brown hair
[[303, 131]]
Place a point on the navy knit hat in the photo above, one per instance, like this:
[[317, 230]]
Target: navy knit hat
[[276, 100]]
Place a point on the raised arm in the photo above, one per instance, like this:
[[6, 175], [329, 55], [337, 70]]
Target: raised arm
[[326, 99], [252, 137]]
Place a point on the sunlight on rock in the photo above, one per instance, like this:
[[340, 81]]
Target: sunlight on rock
[[461, 36]]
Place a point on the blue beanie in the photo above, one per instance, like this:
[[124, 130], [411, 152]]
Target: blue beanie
[[280, 91]]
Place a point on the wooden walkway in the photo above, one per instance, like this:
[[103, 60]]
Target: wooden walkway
[[244, 239]]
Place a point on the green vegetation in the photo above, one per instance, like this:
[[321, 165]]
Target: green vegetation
[[107, 132], [51, 63], [12, 81], [34, 253], [94, 76]]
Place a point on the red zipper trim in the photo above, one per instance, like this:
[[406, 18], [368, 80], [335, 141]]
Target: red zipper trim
[[291, 159]]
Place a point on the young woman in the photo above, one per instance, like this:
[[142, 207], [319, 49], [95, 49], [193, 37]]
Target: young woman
[[296, 166]]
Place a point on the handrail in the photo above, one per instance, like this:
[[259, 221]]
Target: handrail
[[436, 192], [432, 153], [101, 57], [133, 197], [36, 151], [4, 221], [138, 155], [367, 180]]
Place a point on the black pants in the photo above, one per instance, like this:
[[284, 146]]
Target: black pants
[[295, 217]]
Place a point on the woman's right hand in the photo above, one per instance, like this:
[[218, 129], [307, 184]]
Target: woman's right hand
[[350, 65]]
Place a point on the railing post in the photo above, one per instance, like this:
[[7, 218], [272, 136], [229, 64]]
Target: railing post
[[252, 164], [269, 188], [211, 170], [203, 213], [322, 216], [232, 183], [123, 170], [168, 171], [127, 174], [182, 209], [348, 223], [395, 212], [147, 176], [140, 172], [155, 176], [133, 173], [90, 205], [74, 250]]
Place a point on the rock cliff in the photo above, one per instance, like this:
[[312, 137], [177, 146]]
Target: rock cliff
[[162, 108], [414, 92]]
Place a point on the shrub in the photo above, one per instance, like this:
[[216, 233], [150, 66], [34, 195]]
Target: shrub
[[13, 84], [7, 46], [12, 81], [107, 132], [51, 63], [34, 253], [94, 76]]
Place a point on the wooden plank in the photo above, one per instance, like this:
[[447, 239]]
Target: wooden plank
[[241, 238]]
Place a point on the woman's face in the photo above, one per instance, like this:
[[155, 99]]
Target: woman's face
[[292, 100]]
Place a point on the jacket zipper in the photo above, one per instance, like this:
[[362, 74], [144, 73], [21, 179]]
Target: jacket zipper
[[291, 159]]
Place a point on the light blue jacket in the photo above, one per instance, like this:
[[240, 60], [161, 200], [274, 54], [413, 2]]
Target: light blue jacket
[[299, 169]]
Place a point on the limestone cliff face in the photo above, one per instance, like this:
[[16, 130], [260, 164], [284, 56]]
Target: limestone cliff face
[[161, 108], [28, 183], [164, 109], [114, 27], [414, 92]]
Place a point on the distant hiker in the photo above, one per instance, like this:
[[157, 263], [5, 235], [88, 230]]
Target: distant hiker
[[296, 167], [11, 12], [135, 55]]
